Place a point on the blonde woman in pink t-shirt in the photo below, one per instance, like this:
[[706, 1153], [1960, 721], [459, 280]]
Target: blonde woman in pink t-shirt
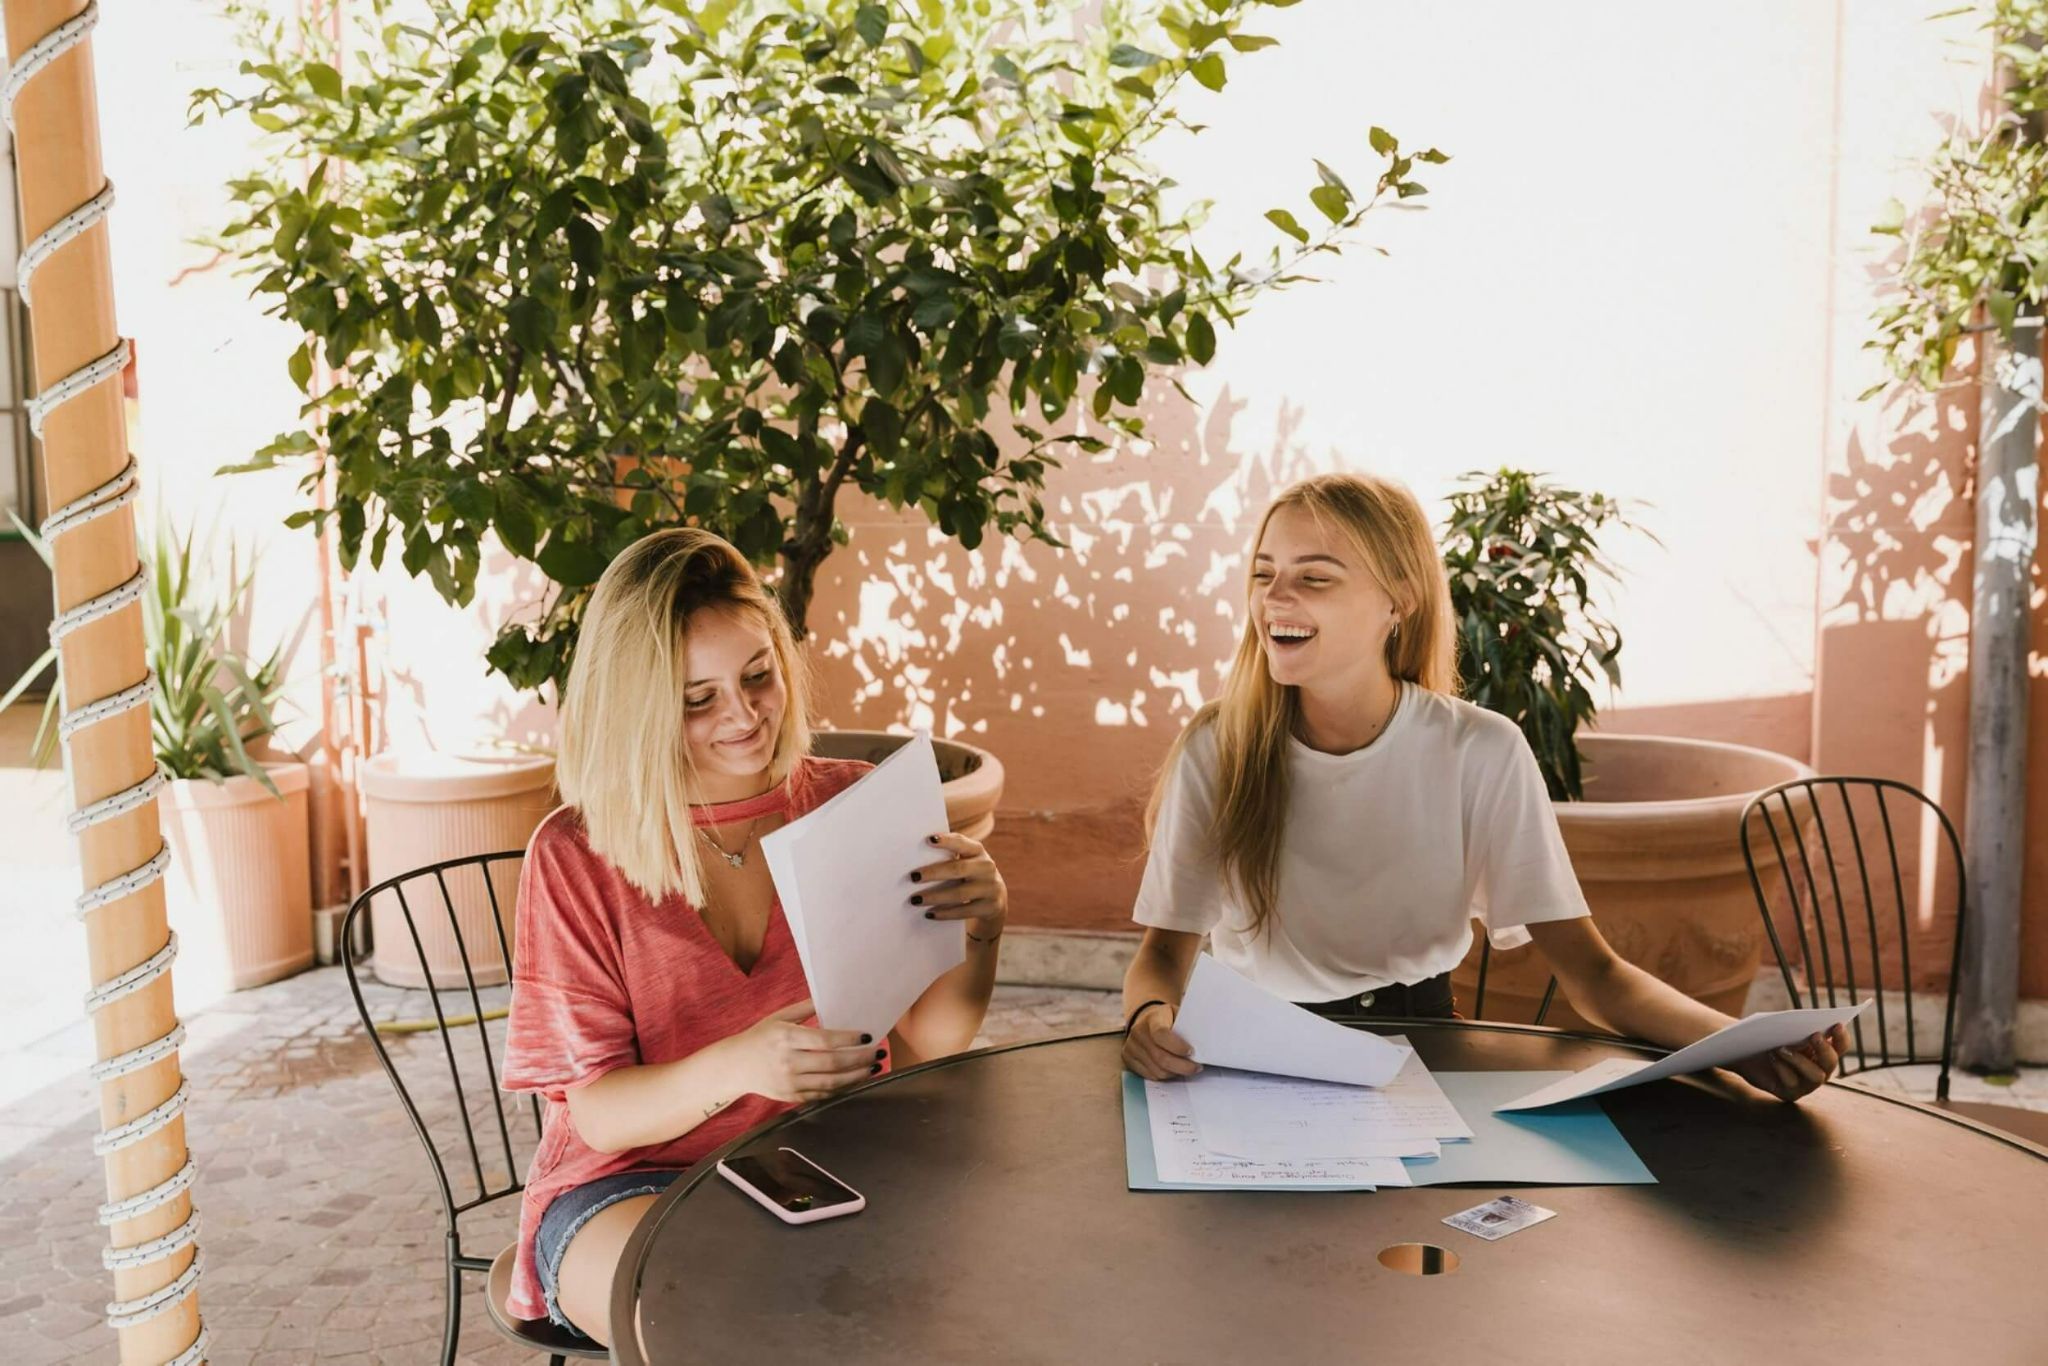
[[658, 1001]]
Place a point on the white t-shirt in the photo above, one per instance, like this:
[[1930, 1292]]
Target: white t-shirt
[[1389, 852]]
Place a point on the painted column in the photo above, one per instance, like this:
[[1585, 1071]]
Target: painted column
[[67, 279]]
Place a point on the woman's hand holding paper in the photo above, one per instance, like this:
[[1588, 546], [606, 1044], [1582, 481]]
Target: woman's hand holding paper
[[1153, 1050], [784, 1060], [967, 886], [1789, 1073]]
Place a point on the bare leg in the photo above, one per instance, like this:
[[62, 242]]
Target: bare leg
[[583, 1289]]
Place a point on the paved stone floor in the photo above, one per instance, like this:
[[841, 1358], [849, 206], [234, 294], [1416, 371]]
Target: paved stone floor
[[320, 1223], [318, 1215]]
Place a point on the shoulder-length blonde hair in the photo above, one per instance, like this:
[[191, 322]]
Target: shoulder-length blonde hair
[[623, 762], [1386, 530]]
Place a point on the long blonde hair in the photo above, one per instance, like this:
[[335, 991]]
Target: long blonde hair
[[1253, 718], [623, 762]]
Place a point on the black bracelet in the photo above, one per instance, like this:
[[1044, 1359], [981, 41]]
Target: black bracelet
[[1128, 1023]]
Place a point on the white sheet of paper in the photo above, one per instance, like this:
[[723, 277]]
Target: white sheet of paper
[[1231, 1022], [843, 873], [1745, 1038], [1287, 1119], [1181, 1157]]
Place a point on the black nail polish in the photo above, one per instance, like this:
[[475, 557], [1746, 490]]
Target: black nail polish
[[881, 1053], [917, 901], [931, 839], [867, 1038], [874, 1069], [931, 915]]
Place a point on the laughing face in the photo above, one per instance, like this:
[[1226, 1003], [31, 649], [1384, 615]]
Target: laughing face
[[734, 698], [1322, 618]]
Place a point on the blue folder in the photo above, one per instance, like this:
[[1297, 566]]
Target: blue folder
[[1574, 1144]]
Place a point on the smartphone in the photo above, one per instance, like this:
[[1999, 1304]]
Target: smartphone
[[791, 1187]]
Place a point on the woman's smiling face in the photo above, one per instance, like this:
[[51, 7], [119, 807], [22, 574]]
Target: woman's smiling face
[[733, 693], [1321, 617]]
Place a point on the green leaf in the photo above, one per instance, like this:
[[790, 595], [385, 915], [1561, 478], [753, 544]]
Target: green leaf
[[324, 80], [886, 360], [1334, 203], [1251, 42], [531, 323], [1208, 70], [517, 527], [1285, 221], [1383, 142], [1137, 58], [301, 368], [871, 22], [882, 424], [572, 564], [1201, 339]]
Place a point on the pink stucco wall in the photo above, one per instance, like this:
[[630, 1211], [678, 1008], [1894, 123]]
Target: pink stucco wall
[[1646, 271]]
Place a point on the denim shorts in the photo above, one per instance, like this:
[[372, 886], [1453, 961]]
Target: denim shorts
[[572, 1209]]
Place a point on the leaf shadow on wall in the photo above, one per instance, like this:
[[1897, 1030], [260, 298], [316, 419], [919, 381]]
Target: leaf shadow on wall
[[1076, 666]]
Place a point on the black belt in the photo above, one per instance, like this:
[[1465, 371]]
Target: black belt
[[1429, 999]]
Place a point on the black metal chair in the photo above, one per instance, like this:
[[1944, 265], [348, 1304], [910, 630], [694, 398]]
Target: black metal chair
[[489, 1185], [1479, 991], [1804, 825]]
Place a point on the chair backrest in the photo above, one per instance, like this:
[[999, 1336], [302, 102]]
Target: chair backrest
[[1819, 850], [463, 1041], [1486, 961]]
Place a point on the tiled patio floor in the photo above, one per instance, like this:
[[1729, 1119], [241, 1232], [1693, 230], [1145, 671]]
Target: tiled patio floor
[[319, 1219], [318, 1216]]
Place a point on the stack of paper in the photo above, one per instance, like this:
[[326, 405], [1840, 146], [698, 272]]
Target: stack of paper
[[843, 875], [1231, 1128], [1287, 1097]]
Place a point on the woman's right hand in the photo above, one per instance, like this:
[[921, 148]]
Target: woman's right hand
[[1154, 1051], [787, 1061]]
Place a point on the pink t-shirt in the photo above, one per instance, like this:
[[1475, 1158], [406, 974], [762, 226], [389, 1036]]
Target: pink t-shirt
[[603, 978]]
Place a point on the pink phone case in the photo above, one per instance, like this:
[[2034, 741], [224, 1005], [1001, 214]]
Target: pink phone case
[[853, 1206]]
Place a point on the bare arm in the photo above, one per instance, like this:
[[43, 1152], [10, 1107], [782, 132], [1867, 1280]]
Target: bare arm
[[946, 1018], [1616, 994], [967, 887], [638, 1107], [1159, 972]]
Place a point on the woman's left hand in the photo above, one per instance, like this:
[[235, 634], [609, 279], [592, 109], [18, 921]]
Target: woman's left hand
[[967, 886], [1789, 1073]]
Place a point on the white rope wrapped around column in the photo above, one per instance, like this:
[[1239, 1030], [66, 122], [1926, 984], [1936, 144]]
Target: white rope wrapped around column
[[157, 1196], [110, 496]]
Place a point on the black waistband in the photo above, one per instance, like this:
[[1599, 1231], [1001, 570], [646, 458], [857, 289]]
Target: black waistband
[[1429, 999]]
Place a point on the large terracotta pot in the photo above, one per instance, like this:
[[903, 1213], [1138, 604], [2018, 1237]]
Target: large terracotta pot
[[238, 892], [1657, 847], [971, 777], [427, 808]]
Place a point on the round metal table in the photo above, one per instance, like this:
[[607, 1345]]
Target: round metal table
[[1851, 1227]]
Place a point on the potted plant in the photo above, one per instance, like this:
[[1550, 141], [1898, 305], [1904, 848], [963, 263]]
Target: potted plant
[[239, 890], [582, 272], [1651, 823]]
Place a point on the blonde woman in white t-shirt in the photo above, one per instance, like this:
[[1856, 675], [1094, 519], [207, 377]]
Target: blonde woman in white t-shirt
[[1336, 819]]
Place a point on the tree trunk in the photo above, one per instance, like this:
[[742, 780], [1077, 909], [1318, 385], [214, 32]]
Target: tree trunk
[[1994, 822]]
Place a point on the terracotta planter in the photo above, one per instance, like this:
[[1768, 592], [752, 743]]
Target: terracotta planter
[[972, 777], [239, 892], [428, 808], [1657, 848]]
